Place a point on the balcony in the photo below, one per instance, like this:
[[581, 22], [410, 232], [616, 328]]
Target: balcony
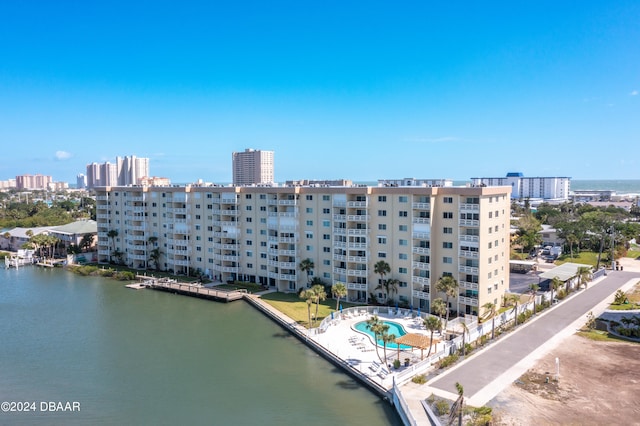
[[466, 285], [357, 259], [471, 301], [286, 202], [358, 218], [137, 257], [468, 254], [340, 217], [421, 206], [340, 244], [103, 252], [178, 262], [229, 269], [469, 238], [358, 231], [339, 271], [339, 231], [468, 269], [283, 214], [102, 207], [228, 257], [357, 273], [421, 235], [177, 210], [340, 257], [470, 207], [356, 286], [102, 198], [421, 265], [423, 220], [339, 203], [469, 222], [356, 204], [102, 216], [421, 280], [226, 212], [285, 277], [421, 295], [421, 250]]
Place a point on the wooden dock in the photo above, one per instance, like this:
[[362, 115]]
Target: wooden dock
[[194, 290]]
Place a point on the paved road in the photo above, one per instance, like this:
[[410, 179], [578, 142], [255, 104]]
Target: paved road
[[481, 369]]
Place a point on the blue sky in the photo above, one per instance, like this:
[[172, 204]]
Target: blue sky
[[357, 90]]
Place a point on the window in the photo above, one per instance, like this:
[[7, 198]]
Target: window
[[309, 223], [263, 196], [309, 210], [263, 267], [263, 255], [490, 229], [309, 197], [496, 243], [402, 270], [250, 265], [326, 262], [247, 196], [382, 226], [447, 215], [197, 227], [489, 290], [309, 248], [382, 240], [249, 253], [402, 213], [403, 242], [326, 198], [263, 220], [489, 275], [249, 219], [402, 199], [490, 245], [447, 260], [263, 232], [249, 231], [308, 235], [326, 211], [326, 236], [326, 223], [496, 229], [249, 242], [248, 208], [326, 275], [497, 213], [447, 245], [402, 228], [382, 198], [448, 200], [490, 215], [326, 249], [403, 256], [382, 212], [447, 230], [263, 243]]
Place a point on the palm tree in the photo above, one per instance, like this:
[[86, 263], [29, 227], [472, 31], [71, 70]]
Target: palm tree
[[386, 338], [339, 290], [374, 324], [583, 274], [154, 256], [465, 330], [307, 266], [390, 286], [381, 268], [459, 403], [309, 297], [555, 285], [449, 286], [87, 241], [533, 289], [152, 240], [320, 294], [438, 307], [112, 234], [490, 308], [513, 298], [432, 324]]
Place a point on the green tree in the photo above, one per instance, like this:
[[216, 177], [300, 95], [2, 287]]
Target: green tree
[[381, 268], [533, 290], [439, 307], [583, 274], [339, 290], [513, 299], [374, 325], [307, 266], [432, 324], [554, 286], [154, 256], [309, 297], [386, 338], [528, 232], [490, 312], [87, 241], [112, 235], [320, 295], [449, 286], [390, 287]]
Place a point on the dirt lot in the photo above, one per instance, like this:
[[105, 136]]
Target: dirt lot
[[599, 385]]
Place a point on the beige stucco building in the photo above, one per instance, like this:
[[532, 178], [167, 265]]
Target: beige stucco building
[[261, 234]]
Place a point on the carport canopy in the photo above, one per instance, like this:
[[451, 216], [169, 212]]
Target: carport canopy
[[564, 272]]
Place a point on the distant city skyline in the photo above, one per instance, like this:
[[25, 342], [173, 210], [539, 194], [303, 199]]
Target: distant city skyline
[[360, 91]]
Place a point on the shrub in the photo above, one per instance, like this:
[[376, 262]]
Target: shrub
[[396, 363], [483, 339], [619, 298], [420, 379], [449, 360], [441, 407]]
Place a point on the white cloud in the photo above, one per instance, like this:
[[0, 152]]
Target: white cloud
[[634, 93], [63, 155]]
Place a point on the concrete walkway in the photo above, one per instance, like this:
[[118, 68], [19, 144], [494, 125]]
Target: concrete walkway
[[485, 374]]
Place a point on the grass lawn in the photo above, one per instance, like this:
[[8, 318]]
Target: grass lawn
[[600, 336], [586, 257], [295, 308], [634, 253], [250, 287], [633, 297]]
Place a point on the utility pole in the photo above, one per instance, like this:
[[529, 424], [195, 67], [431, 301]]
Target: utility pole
[[613, 247]]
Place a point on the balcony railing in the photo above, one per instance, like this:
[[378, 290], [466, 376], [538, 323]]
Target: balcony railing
[[420, 280], [466, 285], [356, 286], [421, 265], [421, 295], [471, 301], [469, 238], [422, 206], [470, 207], [469, 222], [468, 254], [468, 269], [421, 250]]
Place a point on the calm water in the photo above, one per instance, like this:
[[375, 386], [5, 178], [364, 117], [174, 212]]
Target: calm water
[[145, 357]]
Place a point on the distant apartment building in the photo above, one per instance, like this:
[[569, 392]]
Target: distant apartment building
[[261, 234], [7, 184], [545, 188], [154, 181], [252, 167], [126, 171], [33, 181], [81, 181]]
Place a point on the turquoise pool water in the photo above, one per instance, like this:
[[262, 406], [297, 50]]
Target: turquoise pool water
[[394, 328]]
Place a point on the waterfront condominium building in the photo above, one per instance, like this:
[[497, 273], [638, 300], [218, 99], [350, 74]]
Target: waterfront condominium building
[[545, 188], [261, 234], [252, 167]]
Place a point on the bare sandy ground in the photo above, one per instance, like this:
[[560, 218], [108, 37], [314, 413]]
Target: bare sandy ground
[[599, 385]]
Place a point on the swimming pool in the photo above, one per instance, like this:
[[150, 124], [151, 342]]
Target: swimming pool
[[394, 328]]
